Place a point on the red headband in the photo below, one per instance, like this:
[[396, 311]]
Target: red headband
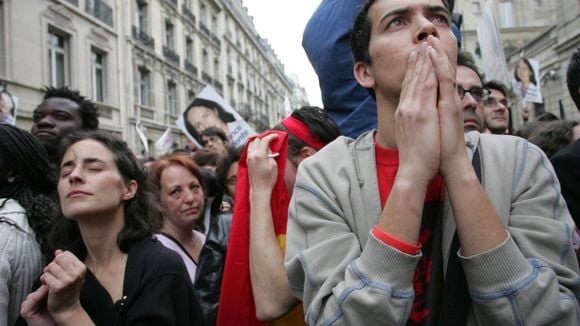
[[300, 130]]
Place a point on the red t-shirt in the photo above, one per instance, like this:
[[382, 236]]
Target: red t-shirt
[[387, 165]]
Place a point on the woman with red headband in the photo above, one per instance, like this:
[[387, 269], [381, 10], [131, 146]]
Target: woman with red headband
[[266, 177]]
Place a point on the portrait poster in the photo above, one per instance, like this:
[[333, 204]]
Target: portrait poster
[[209, 109], [526, 80]]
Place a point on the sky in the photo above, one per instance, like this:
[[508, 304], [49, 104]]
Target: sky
[[282, 23]]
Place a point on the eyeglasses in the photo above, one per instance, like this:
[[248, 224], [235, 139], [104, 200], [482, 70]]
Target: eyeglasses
[[232, 180], [492, 101], [478, 93]]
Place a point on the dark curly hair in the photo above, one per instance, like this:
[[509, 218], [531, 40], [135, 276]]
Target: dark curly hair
[[320, 125], [224, 164], [88, 111], [34, 182], [142, 213]]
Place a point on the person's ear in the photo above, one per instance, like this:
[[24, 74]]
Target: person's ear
[[130, 190], [306, 152], [363, 75]]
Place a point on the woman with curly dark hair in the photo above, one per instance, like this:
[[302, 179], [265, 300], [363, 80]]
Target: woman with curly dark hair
[[108, 270], [26, 182]]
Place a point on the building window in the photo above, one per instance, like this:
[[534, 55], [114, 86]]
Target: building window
[[205, 61], [189, 56], [58, 59], [506, 15], [476, 7], [203, 14], [538, 4], [216, 69], [171, 98], [144, 86], [190, 96], [98, 61], [214, 24], [141, 16], [169, 43]]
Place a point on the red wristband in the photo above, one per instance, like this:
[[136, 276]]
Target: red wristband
[[394, 242]]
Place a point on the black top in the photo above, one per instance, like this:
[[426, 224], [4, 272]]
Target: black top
[[566, 162], [156, 291]]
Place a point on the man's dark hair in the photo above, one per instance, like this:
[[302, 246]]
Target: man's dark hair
[[320, 127], [143, 215], [224, 115], [554, 136], [360, 35], [214, 131], [498, 86], [573, 78], [547, 117], [466, 59], [224, 164], [87, 110], [205, 156]]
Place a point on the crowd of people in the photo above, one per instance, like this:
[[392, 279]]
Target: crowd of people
[[409, 200]]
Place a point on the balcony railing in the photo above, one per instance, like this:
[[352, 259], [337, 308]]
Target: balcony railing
[[187, 13], [100, 10], [204, 28], [191, 67], [143, 38], [170, 55], [173, 2], [206, 77]]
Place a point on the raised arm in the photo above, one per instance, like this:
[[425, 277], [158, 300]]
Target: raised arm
[[270, 288]]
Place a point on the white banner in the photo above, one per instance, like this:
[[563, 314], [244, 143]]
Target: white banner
[[493, 57], [165, 142], [142, 132], [287, 107]]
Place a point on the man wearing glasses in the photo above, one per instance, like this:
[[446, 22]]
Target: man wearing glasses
[[496, 108], [471, 92]]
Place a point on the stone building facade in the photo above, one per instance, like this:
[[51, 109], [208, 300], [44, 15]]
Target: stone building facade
[[141, 60]]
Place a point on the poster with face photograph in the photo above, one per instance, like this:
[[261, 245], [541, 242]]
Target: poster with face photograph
[[8, 107], [526, 81], [209, 109]]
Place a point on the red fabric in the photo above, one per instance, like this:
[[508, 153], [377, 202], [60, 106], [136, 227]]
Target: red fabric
[[388, 239], [301, 131], [425, 282], [237, 305]]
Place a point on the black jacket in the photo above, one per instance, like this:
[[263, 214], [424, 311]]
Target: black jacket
[[210, 268]]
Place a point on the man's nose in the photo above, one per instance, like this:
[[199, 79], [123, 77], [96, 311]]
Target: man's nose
[[426, 28], [45, 121], [468, 101]]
